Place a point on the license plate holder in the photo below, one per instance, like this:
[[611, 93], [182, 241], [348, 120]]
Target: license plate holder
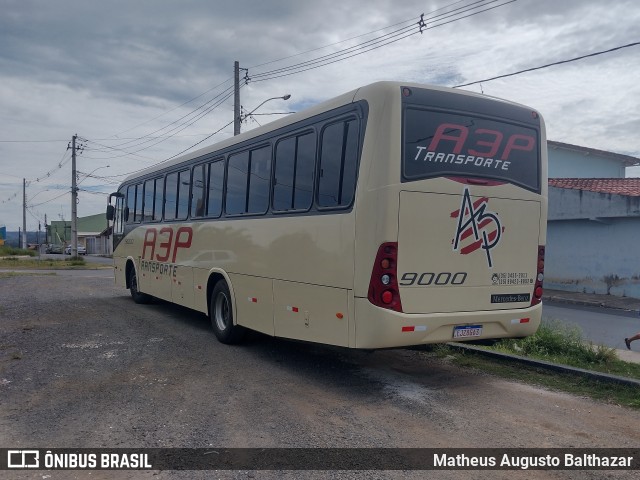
[[467, 331]]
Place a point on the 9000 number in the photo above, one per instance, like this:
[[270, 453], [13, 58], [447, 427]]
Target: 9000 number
[[430, 278]]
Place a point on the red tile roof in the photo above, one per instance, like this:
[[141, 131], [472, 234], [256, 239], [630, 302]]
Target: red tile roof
[[618, 186]]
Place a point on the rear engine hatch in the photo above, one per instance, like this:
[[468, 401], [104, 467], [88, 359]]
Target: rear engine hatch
[[467, 252]]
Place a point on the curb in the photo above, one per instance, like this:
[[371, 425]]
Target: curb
[[588, 303], [603, 377]]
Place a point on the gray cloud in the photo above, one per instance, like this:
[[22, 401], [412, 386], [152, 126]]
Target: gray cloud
[[101, 68]]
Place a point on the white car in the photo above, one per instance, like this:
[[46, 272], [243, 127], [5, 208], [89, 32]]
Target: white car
[[81, 250]]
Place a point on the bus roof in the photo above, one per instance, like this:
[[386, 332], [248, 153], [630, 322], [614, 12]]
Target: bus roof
[[375, 89]]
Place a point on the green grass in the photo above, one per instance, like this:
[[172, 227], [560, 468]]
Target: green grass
[[575, 384], [49, 264], [6, 250], [558, 344]]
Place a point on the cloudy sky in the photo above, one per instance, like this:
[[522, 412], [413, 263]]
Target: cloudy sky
[[140, 81]]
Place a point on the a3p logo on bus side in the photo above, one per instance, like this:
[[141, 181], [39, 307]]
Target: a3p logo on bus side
[[477, 227]]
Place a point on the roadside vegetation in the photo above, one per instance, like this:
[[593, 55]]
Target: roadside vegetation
[[6, 251], [555, 343], [47, 264]]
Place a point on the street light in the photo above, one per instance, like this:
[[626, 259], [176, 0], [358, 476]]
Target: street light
[[284, 97]]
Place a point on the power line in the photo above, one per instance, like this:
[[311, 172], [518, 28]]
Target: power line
[[380, 42], [48, 201], [550, 64], [368, 45], [174, 108], [352, 38], [177, 129]]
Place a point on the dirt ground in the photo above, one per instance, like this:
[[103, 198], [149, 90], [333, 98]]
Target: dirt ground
[[82, 366]]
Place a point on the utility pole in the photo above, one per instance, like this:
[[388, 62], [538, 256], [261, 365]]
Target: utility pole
[[24, 213], [236, 98], [74, 200]]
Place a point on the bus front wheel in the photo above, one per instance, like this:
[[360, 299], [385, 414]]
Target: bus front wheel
[[137, 296], [221, 315]]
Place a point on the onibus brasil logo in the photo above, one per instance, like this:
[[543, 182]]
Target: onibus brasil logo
[[477, 227]]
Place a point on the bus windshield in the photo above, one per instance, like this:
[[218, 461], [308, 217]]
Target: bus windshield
[[438, 144]]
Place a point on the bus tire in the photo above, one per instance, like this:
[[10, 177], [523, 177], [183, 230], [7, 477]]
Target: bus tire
[[137, 295], [221, 315]]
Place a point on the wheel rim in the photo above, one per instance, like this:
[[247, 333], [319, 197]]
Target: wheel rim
[[222, 312]]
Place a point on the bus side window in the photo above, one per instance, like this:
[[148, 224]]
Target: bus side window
[[294, 166], [198, 191], [149, 196], [338, 164], [131, 204], [248, 179], [216, 185], [184, 186], [138, 214], [170, 196], [157, 204], [259, 180], [236, 199]]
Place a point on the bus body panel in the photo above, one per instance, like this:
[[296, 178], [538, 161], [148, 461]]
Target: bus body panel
[[175, 266], [253, 299], [381, 328], [466, 252], [311, 312]]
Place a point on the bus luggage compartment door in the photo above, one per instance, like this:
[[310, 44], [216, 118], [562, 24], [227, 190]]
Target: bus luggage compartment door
[[466, 252], [311, 312]]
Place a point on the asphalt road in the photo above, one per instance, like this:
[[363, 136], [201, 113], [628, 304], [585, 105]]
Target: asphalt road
[[601, 326], [81, 365]]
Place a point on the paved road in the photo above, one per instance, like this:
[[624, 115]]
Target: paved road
[[599, 325], [81, 365]]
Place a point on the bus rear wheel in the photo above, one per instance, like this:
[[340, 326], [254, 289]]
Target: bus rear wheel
[[137, 296], [221, 315]]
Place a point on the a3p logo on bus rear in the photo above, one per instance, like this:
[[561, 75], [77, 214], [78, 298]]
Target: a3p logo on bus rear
[[476, 227]]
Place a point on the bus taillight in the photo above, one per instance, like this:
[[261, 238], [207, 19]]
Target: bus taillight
[[383, 286], [538, 290]]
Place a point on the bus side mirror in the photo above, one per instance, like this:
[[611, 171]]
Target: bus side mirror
[[110, 212]]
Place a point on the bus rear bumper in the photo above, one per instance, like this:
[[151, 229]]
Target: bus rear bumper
[[381, 328]]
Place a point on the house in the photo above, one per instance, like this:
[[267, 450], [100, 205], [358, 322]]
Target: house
[[93, 233], [594, 222]]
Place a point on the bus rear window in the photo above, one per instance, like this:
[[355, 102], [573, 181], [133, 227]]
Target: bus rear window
[[438, 144]]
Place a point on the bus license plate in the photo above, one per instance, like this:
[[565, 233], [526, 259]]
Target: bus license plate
[[467, 331]]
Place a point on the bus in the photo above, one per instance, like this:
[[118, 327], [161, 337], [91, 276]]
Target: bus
[[393, 215]]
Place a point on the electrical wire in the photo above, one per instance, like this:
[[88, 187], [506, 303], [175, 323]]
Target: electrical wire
[[582, 57], [177, 129], [198, 116], [397, 37], [172, 109], [351, 38]]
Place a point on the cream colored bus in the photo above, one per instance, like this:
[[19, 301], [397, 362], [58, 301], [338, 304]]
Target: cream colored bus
[[395, 214]]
